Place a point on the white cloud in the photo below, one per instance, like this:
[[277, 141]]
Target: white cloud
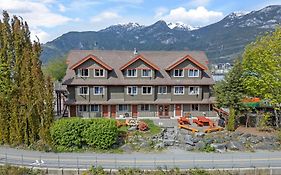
[[42, 35], [36, 13], [105, 16], [195, 17], [159, 12], [62, 8]]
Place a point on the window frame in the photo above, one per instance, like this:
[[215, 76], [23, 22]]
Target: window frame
[[123, 109], [100, 87], [80, 72], [193, 108], [159, 87], [174, 72], [144, 109], [127, 73], [79, 88], [178, 93], [133, 94], [79, 108], [150, 74], [95, 110], [146, 87], [189, 70], [99, 70], [198, 90]]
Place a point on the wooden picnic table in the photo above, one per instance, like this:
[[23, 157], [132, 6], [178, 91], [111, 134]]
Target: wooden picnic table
[[203, 119]]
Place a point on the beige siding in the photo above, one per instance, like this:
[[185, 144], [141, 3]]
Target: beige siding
[[206, 92], [115, 92], [139, 96], [71, 92], [103, 97], [185, 65], [163, 96], [151, 113], [186, 96], [91, 65], [139, 65]]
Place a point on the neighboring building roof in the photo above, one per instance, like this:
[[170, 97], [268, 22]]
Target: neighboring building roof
[[90, 56], [187, 57], [117, 59], [139, 57]]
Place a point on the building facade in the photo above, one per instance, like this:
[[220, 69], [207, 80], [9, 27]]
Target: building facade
[[154, 84]]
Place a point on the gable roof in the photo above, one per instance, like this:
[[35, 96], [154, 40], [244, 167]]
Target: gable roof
[[189, 58], [139, 57], [90, 56], [117, 58]]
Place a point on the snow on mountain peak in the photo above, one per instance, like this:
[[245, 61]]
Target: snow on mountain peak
[[181, 26], [234, 15]]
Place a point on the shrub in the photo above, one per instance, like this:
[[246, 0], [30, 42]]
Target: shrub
[[67, 133], [7, 169], [101, 133], [74, 133]]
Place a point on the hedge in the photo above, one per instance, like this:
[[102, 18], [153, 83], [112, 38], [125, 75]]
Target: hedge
[[75, 133]]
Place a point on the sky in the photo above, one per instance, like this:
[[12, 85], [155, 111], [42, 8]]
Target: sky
[[49, 19]]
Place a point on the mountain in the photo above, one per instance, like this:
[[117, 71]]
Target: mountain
[[222, 41]]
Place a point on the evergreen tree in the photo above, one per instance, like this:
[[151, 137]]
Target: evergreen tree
[[230, 92], [26, 111]]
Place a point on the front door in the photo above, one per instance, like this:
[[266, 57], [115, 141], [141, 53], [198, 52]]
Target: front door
[[135, 110], [113, 111], [177, 109], [163, 110], [72, 109], [105, 110]]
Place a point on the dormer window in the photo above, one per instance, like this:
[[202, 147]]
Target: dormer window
[[99, 73], [178, 73], [193, 73], [146, 73], [83, 72], [132, 73]]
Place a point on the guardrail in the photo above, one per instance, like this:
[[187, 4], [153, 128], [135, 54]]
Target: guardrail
[[61, 161]]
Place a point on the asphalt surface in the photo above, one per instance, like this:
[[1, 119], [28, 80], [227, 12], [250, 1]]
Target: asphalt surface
[[167, 159]]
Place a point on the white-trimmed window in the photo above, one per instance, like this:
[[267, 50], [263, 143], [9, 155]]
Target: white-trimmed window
[[178, 73], [147, 90], [179, 90], [83, 90], [83, 72], [194, 107], [99, 73], [132, 73], [82, 108], [145, 107], [98, 90], [193, 73], [123, 108], [146, 73], [132, 90], [193, 90], [162, 89], [95, 108]]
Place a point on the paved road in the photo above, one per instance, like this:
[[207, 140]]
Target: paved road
[[168, 159]]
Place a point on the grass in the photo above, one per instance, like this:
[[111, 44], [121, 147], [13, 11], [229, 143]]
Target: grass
[[153, 129]]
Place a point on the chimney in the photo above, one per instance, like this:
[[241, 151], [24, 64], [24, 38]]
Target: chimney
[[135, 51]]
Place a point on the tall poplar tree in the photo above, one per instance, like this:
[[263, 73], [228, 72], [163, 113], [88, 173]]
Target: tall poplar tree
[[26, 101]]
